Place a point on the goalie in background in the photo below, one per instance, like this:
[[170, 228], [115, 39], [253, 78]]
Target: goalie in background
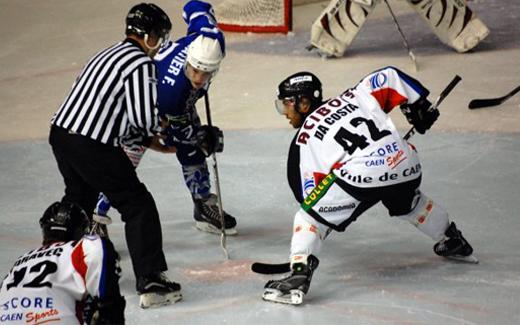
[[346, 157], [454, 23], [54, 282]]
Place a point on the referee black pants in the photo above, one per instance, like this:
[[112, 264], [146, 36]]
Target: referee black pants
[[89, 167]]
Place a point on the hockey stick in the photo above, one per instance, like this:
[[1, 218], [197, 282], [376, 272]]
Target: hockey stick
[[438, 101], [266, 268], [217, 184], [405, 42], [480, 103]]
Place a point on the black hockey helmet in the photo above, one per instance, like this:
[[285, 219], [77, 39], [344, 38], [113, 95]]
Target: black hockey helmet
[[64, 221], [146, 18], [298, 85]]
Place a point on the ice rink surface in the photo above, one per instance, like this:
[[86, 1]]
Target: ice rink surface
[[381, 270]]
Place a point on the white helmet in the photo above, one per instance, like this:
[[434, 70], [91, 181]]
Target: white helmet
[[205, 54]]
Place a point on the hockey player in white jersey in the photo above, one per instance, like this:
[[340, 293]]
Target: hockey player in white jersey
[[347, 156], [51, 284]]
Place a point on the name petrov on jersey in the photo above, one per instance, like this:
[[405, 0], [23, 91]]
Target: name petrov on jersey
[[323, 114]]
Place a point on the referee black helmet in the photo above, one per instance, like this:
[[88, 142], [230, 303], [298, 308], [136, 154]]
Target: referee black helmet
[[147, 18]]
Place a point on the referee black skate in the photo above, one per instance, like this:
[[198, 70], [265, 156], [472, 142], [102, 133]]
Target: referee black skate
[[113, 104]]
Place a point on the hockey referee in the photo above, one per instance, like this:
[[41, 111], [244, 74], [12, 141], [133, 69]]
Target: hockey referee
[[112, 103]]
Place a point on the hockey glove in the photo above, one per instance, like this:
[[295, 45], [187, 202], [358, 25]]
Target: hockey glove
[[210, 139], [110, 312], [420, 114], [179, 130]]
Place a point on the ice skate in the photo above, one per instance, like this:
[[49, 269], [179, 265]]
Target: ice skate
[[207, 217], [292, 289], [104, 220], [99, 225], [100, 219], [455, 246], [157, 290]]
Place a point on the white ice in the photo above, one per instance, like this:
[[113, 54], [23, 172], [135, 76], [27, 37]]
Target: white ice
[[381, 270]]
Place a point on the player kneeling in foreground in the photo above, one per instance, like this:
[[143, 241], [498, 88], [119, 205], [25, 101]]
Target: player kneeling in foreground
[[347, 156], [71, 279]]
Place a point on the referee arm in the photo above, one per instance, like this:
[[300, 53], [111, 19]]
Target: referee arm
[[141, 99]]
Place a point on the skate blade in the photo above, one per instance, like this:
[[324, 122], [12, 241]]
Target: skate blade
[[466, 259], [150, 300], [294, 297], [104, 220], [206, 227]]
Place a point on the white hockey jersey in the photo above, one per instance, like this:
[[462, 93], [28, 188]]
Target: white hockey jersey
[[352, 136], [48, 284]]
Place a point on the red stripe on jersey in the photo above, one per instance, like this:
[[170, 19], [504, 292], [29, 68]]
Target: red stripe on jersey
[[388, 98], [318, 177], [78, 260]]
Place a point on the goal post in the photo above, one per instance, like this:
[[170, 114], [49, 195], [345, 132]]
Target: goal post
[[257, 16]]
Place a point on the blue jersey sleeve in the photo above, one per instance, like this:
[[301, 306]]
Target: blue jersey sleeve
[[201, 20]]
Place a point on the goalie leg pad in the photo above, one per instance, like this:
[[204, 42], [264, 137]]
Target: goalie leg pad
[[429, 217], [452, 21], [337, 26]]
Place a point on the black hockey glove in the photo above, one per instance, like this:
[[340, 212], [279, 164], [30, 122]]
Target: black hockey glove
[[179, 130], [110, 312], [420, 114], [210, 139]]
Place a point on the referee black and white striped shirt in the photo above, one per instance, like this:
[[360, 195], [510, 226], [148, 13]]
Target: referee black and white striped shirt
[[113, 100]]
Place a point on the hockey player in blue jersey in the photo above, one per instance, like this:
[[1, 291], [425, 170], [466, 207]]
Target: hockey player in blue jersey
[[185, 70]]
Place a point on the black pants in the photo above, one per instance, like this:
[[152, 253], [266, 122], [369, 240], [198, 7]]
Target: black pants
[[89, 167]]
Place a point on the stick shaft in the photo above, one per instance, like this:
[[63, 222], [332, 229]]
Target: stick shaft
[[405, 42], [217, 185]]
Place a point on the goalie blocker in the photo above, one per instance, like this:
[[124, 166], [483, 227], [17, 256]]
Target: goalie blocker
[[452, 21]]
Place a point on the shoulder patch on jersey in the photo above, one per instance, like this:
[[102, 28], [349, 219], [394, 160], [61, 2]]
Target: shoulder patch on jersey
[[378, 80], [318, 192], [308, 183]]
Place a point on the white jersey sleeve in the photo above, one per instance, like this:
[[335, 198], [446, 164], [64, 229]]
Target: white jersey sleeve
[[48, 284], [352, 136]]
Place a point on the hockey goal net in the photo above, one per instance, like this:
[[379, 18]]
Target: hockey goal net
[[257, 16]]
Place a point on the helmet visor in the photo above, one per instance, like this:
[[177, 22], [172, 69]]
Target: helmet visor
[[282, 104]]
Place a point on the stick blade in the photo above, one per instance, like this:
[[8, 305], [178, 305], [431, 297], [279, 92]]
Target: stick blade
[[480, 103], [265, 268]]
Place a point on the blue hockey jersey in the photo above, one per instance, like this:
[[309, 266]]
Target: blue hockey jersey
[[176, 96]]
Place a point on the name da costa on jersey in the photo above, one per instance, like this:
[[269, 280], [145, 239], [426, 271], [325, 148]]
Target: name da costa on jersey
[[318, 122]]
